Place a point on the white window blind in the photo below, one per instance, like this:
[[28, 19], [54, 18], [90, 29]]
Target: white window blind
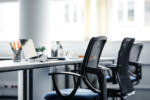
[[9, 20]]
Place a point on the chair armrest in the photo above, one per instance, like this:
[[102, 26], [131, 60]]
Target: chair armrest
[[94, 70], [136, 64], [112, 69], [66, 73], [103, 68], [76, 70], [138, 67], [138, 70]]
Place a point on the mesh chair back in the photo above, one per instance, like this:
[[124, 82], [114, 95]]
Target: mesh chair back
[[93, 52], [91, 60], [135, 52], [134, 55], [122, 66], [92, 57]]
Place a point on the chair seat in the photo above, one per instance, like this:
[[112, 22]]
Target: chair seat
[[83, 94]]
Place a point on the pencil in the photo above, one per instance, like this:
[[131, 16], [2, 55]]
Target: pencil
[[14, 46], [11, 44], [18, 45]]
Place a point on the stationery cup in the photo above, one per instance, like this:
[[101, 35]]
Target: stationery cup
[[17, 52], [17, 56]]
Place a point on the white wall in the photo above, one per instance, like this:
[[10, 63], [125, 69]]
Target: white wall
[[35, 22]]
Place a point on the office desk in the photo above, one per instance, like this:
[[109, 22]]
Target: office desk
[[9, 65]]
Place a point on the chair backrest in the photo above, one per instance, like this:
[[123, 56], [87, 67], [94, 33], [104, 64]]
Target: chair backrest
[[93, 52], [122, 67], [134, 55], [135, 52], [91, 60]]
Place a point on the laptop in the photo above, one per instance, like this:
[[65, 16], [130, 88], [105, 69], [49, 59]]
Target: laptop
[[28, 48], [29, 51]]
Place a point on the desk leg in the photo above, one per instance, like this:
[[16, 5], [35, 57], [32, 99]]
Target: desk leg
[[25, 78], [24, 84], [77, 67], [114, 77], [30, 84], [66, 77]]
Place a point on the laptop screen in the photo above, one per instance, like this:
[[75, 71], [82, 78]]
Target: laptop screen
[[28, 48]]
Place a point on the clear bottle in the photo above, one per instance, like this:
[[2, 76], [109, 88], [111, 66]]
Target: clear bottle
[[60, 50]]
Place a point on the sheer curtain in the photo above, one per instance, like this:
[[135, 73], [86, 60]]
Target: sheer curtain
[[95, 18]]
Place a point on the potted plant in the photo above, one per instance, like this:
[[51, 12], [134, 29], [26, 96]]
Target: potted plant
[[40, 50]]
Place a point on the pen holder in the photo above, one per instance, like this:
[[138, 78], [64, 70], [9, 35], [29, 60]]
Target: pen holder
[[17, 56]]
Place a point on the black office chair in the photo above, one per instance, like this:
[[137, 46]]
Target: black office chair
[[135, 68], [124, 86], [89, 66]]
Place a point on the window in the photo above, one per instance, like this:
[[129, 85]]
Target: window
[[120, 11], [129, 18], [67, 19], [147, 12], [9, 20], [131, 10], [76, 19]]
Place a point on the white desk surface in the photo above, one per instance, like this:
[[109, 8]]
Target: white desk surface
[[108, 58], [9, 65]]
